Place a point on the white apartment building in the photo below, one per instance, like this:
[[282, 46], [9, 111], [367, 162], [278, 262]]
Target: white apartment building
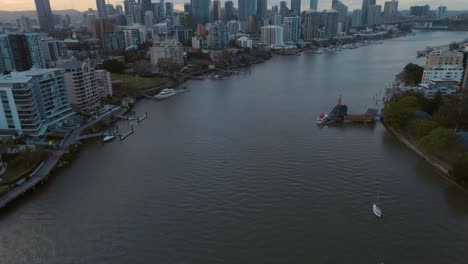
[[272, 35], [32, 100], [82, 87], [443, 72], [244, 42], [166, 48]]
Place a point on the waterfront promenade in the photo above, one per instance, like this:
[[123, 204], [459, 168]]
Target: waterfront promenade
[[53, 160]]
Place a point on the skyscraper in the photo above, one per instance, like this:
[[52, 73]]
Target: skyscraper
[[374, 15], [311, 24], [246, 10], [187, 8], [169, 9], [146, 5], [261, 9], [331, 26], [342, 9], [229, 11], [101, 8], [390, 10], [365, 10], [357, 18], [200, 12], [216, 10], [296, 7], [162, 10], [313, 4], [218, 35], [44, 14], [292, 28], [284, 10]]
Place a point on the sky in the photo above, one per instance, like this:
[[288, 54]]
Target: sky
[[15, 5]]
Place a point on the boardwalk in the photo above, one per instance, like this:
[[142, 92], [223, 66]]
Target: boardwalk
[[52, 162]]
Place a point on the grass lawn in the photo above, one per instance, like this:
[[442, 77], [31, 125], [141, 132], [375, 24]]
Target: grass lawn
[[3, 190], [13, 174], [136, 82]]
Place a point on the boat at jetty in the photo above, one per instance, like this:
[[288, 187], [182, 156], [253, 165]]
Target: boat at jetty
[[165, 94], [108, 138], [339, 114]]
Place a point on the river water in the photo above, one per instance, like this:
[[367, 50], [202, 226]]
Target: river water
[[236, 171]]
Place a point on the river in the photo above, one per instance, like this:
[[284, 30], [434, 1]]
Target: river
[[236, 171]]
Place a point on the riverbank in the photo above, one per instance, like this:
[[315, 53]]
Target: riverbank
[[442, 167]]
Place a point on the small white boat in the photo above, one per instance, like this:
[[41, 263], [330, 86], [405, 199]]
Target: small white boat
[[319, 51], [376, 210], [108, 138], [165, 94]]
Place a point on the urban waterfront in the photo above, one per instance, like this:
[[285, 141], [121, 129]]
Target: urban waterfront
[[236, 171]]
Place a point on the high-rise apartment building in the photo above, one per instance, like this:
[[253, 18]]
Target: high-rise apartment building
[[32, 101], [82, 87], [166, 48], [291, 28], [272, 35], [445, 57], [217, 35], [44, 14], [312, 25], [24, 24], [23, 51]]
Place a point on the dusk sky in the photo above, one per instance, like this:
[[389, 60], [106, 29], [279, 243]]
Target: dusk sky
[[12, 5]]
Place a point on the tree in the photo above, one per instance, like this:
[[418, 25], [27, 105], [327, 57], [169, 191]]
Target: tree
[[454, 46], [168, 66], [411, 75], [142, 67], [114, 66], [460, 169], [422, 127], [447, 114], [438, 141], [400, 111]]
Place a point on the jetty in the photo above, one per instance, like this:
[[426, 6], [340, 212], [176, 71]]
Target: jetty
[[41, 173]]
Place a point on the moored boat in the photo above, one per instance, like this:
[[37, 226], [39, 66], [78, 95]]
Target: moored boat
[[165, 94], [108, 138]]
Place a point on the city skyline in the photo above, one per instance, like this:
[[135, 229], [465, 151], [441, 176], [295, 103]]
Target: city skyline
[[22, 5]]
